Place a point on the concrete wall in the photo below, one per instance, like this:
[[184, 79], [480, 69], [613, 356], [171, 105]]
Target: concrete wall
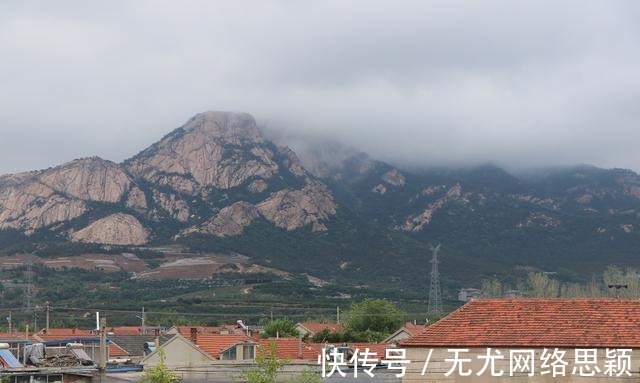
[[179, 354], [437, 367]]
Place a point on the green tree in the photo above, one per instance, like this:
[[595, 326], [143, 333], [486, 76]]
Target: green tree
[[540, 285], [492, 287], [160, 373], [375, 318], [280, 328], [267, 366]]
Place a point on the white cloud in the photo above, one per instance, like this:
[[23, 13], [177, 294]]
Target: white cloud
[[518, 83]]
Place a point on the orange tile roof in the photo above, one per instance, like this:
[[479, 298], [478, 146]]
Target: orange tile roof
[[115, 351], [186, 330], [315, 327], [13, 336], [536, 322], [292, 348], [216, 344], [64, 332], [413, 329]]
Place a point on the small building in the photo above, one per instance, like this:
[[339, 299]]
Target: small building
[[550, 335], [178, 352], [138, 346], [466, 294], [91, 345], [312, 328], [408, 330], [227, 346]]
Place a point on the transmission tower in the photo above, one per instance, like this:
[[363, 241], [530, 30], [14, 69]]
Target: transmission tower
[[435, 296], [28, 289]]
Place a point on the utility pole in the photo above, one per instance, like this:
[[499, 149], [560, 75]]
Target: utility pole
[[143, 320], [435, 295], [338, 314], [102, 362], [10, 320], [48, 310]]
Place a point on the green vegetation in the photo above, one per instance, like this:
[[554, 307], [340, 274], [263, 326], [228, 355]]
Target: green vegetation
[[375, 315], [160, 373], [267, 366], [371, 320], [551, 285], [280, 328]]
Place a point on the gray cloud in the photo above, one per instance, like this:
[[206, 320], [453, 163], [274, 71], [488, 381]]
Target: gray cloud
[[525, 83]]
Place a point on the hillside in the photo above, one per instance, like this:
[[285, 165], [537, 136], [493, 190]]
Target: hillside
[[217, 185]]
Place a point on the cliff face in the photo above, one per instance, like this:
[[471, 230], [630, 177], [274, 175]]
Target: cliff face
[[192, 180], [30, 201], [116, 229], [213, 149]]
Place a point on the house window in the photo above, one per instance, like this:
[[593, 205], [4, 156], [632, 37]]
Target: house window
[[230, 354], [248, 352]]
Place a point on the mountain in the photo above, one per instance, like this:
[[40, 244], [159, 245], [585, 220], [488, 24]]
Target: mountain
[[215, 175], [216, 184]]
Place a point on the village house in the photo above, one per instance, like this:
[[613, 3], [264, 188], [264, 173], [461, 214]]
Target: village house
[[408, 330], [312, 328], [530, 340]]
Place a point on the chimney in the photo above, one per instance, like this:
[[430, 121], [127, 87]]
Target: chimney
[[157, 337], [194, 335]]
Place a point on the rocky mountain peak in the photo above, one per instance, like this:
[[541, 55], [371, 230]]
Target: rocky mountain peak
[[213, 149], [230, 127], [216, 174]]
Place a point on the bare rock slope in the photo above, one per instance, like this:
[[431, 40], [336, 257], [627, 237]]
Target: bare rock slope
[[214, 175]]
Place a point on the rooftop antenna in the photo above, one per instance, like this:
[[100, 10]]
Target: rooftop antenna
[[617, 287], [435, 296]]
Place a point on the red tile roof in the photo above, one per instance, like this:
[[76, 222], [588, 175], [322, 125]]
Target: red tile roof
[[64, 332], [315, 327], [536, 322], [292, 348], [295, 349], [186, 330], [115, 351], [413, 329], [216, 344], [13, 336]]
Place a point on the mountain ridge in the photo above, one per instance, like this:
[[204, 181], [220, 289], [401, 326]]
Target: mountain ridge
[[216, 184]]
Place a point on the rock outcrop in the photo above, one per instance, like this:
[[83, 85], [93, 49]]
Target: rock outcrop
[[89, 179], [33, 200], [293, 209], [116, 229], [213, 149], [229, 221], [184, 180], [394, 177], [174, 206], [417, 222]]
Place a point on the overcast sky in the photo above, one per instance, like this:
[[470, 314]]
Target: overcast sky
[[518, 83]]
